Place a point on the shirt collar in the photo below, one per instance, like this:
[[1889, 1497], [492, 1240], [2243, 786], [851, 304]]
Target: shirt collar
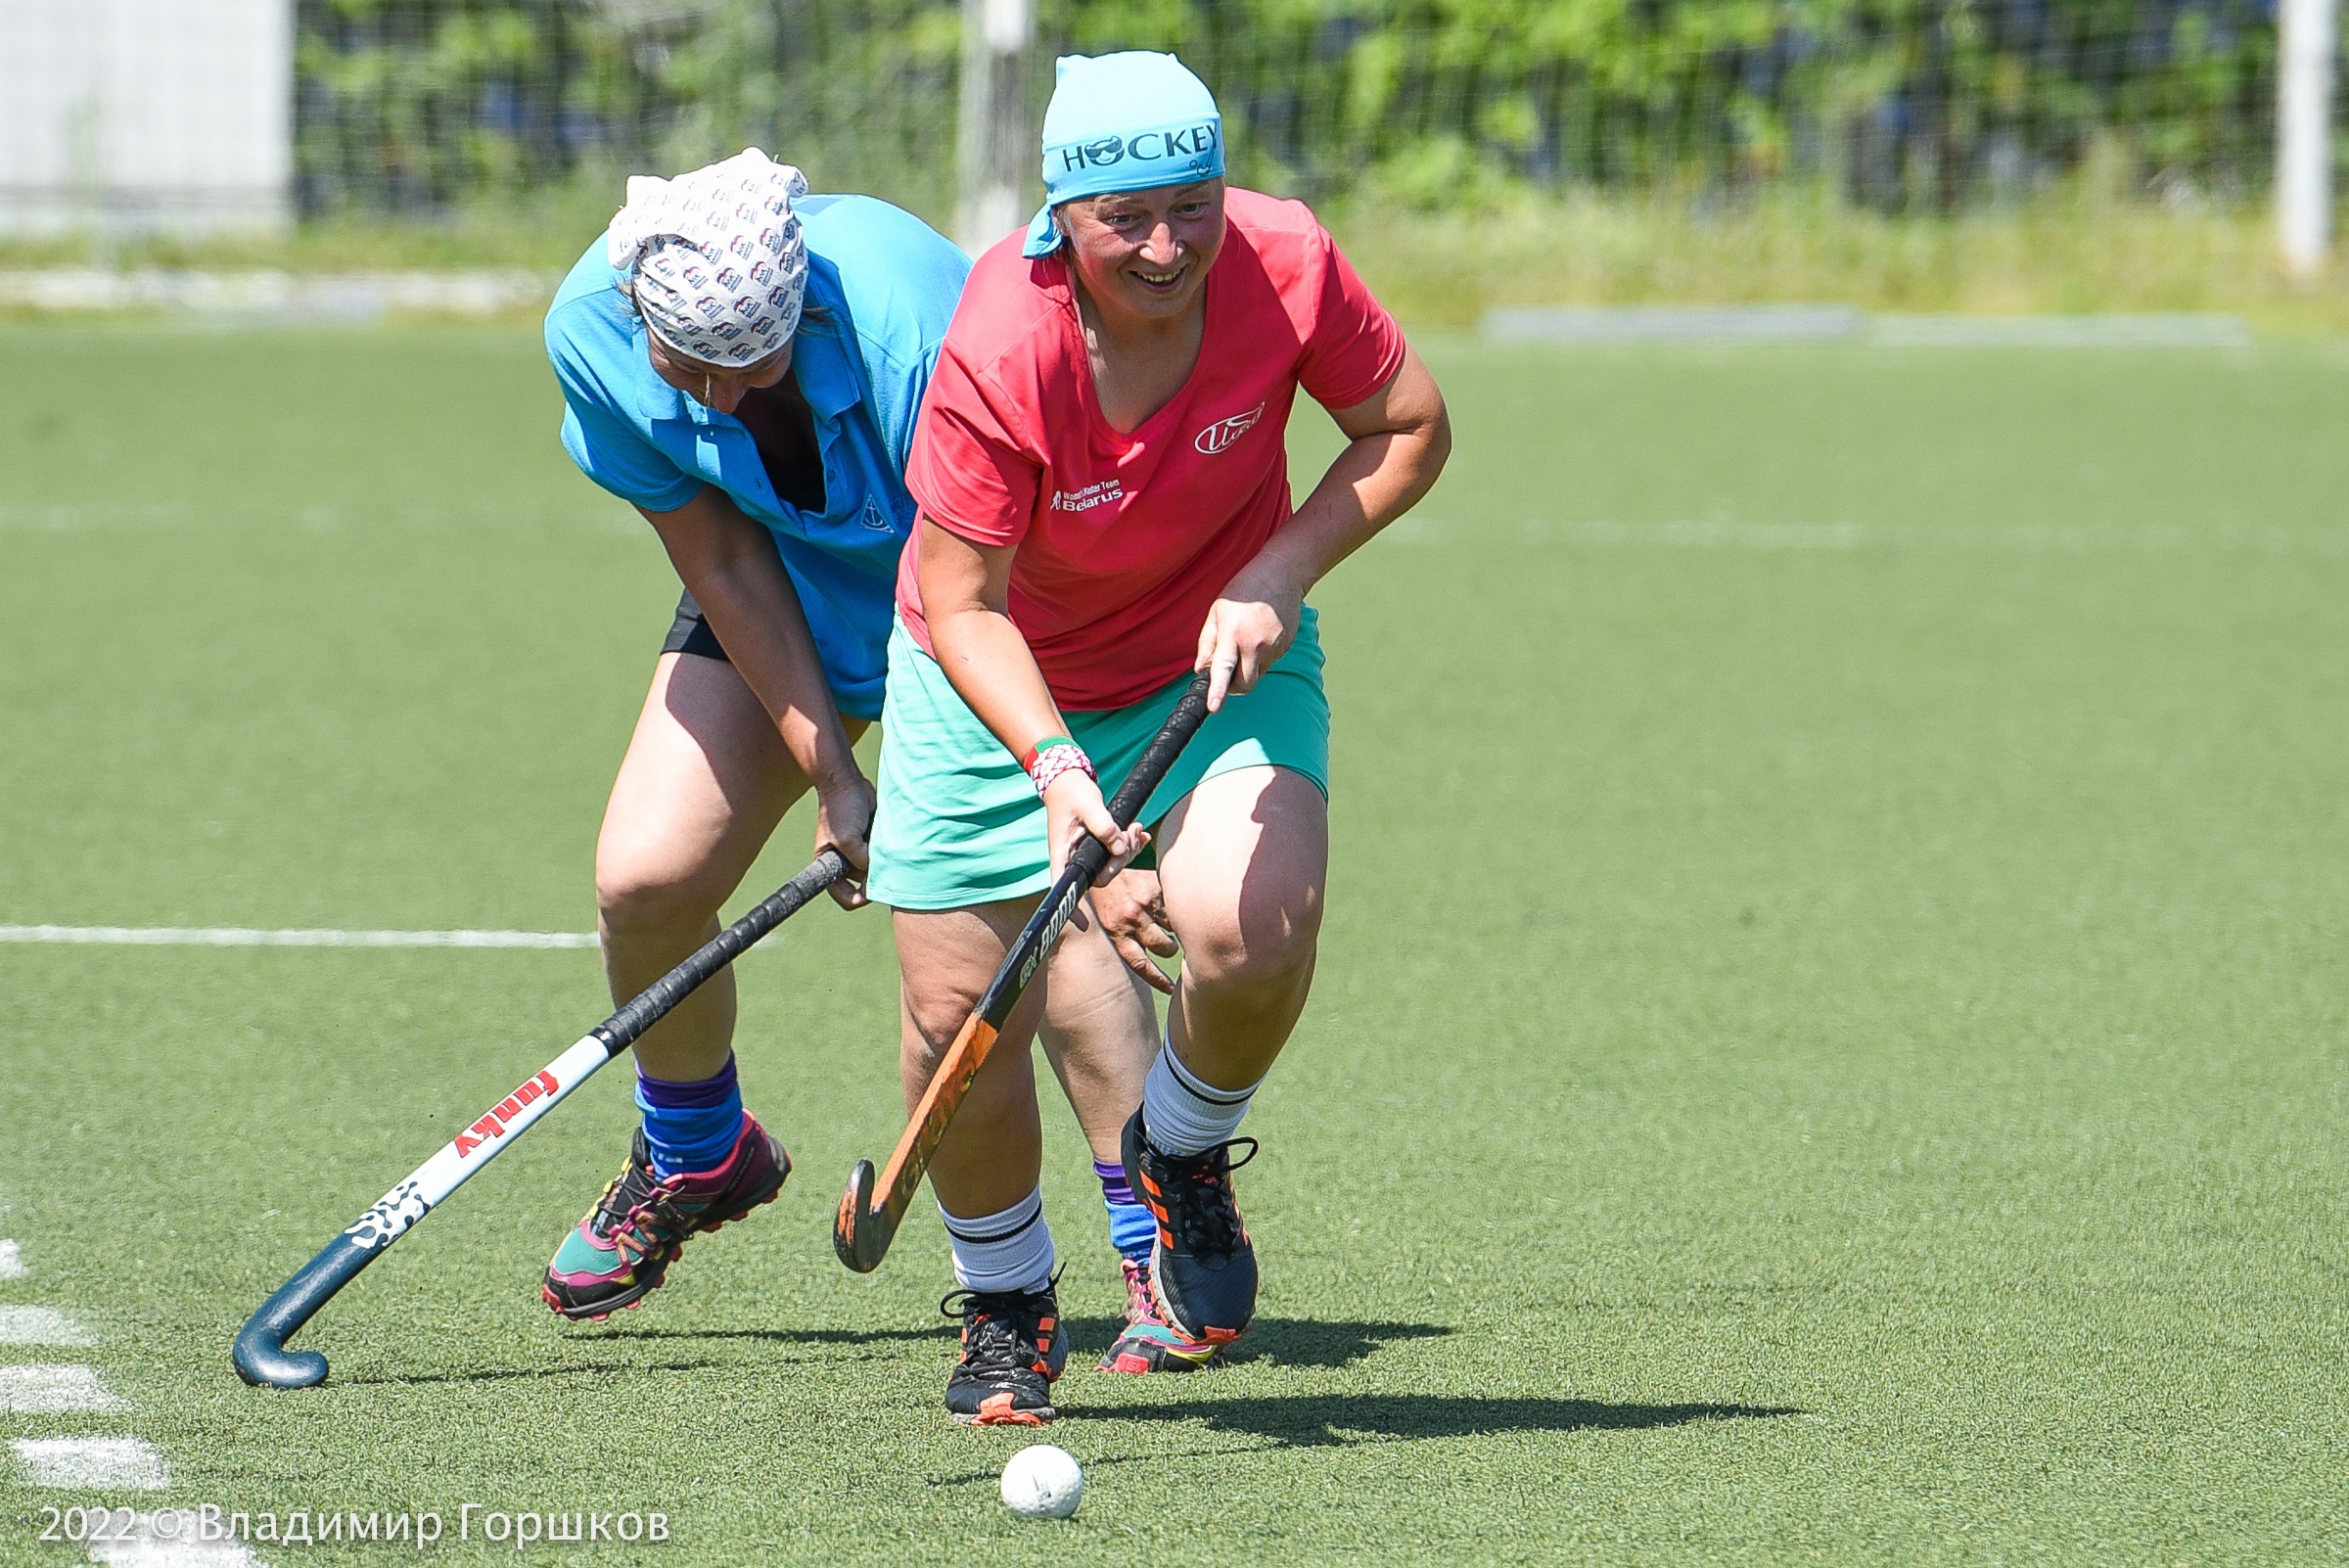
[[820, 361], [820, 352]]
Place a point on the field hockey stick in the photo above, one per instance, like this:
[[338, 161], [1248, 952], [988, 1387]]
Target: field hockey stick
[[260, 1350], [865, 1226]]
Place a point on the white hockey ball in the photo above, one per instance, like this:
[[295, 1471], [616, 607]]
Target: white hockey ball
[[1042, 1482]]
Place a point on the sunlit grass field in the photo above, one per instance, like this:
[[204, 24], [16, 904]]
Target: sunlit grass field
[[1828, 1044]]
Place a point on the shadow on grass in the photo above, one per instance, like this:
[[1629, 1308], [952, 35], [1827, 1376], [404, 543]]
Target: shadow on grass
[[779, 1336], [585, 1335], [991, 1477], [501, 1374], [1317, 1342], [1286, 1341], [1331, 1420]]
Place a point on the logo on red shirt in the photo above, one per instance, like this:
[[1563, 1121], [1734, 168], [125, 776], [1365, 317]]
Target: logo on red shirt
[[1224, 432], [1099, 493]]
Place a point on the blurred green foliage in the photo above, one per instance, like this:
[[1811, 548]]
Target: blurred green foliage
[[1900, 105], [422, 108]]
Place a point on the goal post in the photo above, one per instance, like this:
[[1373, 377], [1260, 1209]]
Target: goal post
[[995, 159], [2309, 42]]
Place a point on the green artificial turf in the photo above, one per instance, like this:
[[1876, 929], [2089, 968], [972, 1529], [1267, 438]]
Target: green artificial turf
[[1828, 1043]]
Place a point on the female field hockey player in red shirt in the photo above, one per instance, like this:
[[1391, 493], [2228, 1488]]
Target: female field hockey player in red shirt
[[1105, 509]]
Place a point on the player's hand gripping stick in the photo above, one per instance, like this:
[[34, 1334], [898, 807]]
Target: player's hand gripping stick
[[868, 1222], [261, 1356]]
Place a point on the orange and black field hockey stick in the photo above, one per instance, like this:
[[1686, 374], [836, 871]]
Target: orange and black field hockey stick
[[866, 1223]]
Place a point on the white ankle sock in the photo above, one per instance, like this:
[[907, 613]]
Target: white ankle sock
[[1007, 1251], [1183, 1115]]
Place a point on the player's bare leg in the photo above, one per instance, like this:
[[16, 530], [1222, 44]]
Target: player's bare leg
[[985, 1173], [1109, 1014], [705, 781], [1244, 867], [1099, 1029], [1100, 1033]]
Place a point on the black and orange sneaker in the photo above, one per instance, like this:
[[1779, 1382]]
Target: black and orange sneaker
[[1202, 1265], [1013, 1345], [1148, 1343], [622, 1249]]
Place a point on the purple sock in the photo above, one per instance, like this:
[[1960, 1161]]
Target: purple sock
[[1131, 1227], [690, 1126]]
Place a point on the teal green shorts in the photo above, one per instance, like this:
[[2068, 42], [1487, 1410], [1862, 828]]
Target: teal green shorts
[[959, 823]]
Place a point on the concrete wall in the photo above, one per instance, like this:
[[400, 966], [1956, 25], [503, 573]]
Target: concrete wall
[[134, 116]]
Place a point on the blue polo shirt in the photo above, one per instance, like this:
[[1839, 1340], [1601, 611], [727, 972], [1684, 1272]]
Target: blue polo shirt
[[881, 289]]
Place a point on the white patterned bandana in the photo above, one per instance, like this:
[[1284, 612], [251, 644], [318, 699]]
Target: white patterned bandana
[[714, 259]]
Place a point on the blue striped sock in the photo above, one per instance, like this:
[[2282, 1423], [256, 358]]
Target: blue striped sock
[[690, 1126], [1131, 1227]]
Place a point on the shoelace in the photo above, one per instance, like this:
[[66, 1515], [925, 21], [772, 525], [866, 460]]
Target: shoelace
[[621, 1198], [1140, 1307], [639, 1218], [1003, 1330], [1200, 1208]]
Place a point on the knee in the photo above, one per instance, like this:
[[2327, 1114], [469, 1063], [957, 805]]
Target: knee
[[931, 1028], [945, 961], [1265, 949], [933, 1019], [642, 891]]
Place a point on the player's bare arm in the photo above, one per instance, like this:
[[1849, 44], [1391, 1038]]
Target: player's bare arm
[[1399, 438], [729, 565], [988, 660]]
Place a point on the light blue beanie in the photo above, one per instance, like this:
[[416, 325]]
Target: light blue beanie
[[1130, 122]]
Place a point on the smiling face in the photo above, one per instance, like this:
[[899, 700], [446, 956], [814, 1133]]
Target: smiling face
[[1146, 255], [715, 385]]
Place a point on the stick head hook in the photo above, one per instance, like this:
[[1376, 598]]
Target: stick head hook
[[861, 1236], [264, 1360], [261, 1353]]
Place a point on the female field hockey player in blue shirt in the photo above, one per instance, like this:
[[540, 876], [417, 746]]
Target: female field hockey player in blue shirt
[[742, 364]]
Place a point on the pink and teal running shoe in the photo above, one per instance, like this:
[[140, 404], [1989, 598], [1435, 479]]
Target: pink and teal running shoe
[[621, 1252], [1148, 1343]]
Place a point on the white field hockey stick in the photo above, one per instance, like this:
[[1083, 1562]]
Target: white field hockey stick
[[261, 1353]]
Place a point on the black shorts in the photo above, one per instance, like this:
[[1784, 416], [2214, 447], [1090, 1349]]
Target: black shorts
[[690, 633]]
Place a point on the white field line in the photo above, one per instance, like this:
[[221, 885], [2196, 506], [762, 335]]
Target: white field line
[[167, 1538], [278, 295], [93, 513], [125, 1464], [46, 1390], [40, 1325], [12, 1261], [62, 517], [2162, 331], [1788, 323], [1645, 324], [259, 937], [2016, 539]]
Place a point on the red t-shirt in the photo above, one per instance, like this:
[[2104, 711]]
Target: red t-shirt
[[1126, 540]]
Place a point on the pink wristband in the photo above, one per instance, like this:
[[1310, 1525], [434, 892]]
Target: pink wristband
[[1054, 761]]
